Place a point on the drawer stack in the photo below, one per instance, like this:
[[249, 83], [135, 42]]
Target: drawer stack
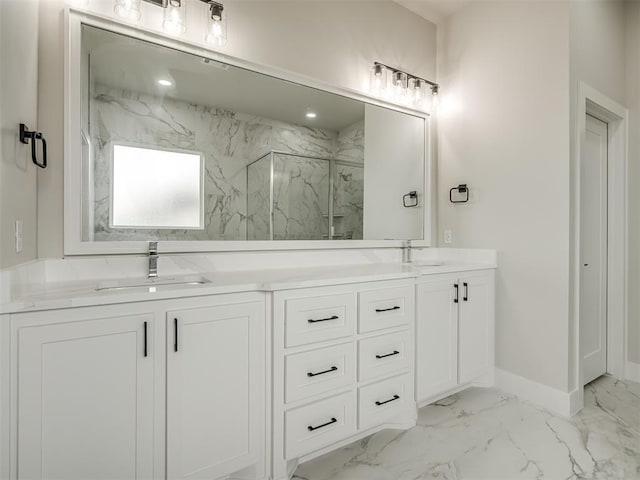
[[343, 365]]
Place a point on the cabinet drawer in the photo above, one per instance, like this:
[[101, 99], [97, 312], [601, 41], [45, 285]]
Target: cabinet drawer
[[384, 308], [384, 354], [319, 371], [319, 424], [315, 319], [380, 402]]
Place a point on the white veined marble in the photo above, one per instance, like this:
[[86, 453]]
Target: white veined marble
[[485, 434], [229, 142]]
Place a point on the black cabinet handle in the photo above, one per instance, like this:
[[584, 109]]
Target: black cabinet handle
[[392, 399], [395, 352], [330, 422], [466, 292], [455, 299], [378, 310], [311, 374], [144, 333], [332, 317], [175, 334]]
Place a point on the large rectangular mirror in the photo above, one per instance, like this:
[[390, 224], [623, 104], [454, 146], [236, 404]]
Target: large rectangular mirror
[[180, 147]]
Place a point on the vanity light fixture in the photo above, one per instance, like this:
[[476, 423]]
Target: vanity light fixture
[[400, 86], [175, 17], [129, 9], [165, 83], [216, 24], [311, 115]]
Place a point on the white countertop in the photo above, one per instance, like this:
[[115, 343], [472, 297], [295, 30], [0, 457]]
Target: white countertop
[[57, 295]]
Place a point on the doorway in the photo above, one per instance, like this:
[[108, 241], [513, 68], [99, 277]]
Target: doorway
[[593, 249], [599, 288]]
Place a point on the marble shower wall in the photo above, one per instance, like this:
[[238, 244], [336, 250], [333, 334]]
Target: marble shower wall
[[228, 140]]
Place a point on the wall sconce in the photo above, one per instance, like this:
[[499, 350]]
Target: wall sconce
[[404, 87], [216, 25], [175, 17]]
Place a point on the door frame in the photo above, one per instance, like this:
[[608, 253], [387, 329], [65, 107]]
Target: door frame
[[600, 106]]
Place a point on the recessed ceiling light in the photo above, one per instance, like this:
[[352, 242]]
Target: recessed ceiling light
[[165, 83], [311, 115]]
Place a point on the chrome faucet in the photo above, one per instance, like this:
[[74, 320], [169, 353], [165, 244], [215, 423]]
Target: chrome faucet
[[153, 260], [406, 252]]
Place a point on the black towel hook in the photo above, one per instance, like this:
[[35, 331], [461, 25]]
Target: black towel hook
[[25, 136]]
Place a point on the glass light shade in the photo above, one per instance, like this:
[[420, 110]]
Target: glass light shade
[[216, 30], [129, 9], [378, 82], [400, 85], [175, 17], [418, 89]]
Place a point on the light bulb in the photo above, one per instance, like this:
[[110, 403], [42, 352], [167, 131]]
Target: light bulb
[[175, 17], [378, 81], [217, 27], [129, 9]]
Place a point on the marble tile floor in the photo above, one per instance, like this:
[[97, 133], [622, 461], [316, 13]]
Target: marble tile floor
[[487, 434]]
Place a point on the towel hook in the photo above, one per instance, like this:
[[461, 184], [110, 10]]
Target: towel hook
[[27, 136]]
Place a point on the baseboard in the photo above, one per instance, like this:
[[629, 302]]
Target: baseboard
[[632, 371], [557, 401]]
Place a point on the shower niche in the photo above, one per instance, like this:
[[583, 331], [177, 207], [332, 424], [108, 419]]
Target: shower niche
[[301, 197]]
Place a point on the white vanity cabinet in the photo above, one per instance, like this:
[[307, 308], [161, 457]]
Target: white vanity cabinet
[[111, 392], [215, 390], [343, 367], [454, 332]]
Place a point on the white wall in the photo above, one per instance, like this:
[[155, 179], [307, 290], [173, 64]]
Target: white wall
[[503, 124], [597, 57], [18, 104], [336, 42], [633, 103]]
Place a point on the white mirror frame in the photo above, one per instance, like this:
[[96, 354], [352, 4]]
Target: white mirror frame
[[73, 243]]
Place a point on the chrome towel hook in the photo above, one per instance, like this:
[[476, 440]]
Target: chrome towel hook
[[25, 136]]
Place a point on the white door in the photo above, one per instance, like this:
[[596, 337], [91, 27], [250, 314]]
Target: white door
[[85, 400], [215, 390], [475, 335], [593, 250], [437, 338]]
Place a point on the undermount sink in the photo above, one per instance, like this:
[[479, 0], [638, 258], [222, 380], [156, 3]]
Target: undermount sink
[[152, 285], [427, 263]]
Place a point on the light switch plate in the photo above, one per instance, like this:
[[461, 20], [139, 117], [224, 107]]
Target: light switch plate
[[448, 236], [18, 235]]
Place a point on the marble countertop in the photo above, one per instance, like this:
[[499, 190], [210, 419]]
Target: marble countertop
[[84, 293]]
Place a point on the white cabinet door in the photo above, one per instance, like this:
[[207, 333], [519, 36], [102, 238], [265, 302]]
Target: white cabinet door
[[215, 390], [437, 337], [85, 400], [475, 327]]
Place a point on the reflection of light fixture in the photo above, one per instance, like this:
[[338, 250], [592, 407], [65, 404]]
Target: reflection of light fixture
[[129, 9], [405, 87], [165, 83], [175, 17], [311, 115], [216, 24]]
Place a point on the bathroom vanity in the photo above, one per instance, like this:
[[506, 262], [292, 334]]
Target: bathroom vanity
[[243, 377]]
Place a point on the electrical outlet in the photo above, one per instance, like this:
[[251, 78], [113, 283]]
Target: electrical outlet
[[448, 236], [18, 235]]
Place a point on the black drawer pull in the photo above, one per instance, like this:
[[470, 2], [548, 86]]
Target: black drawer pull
[[378, 310], [145, 338], [330, 422], [466, 292], [332, 317], [455, 299], [393, 399], [395, 352], [311, 374]]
